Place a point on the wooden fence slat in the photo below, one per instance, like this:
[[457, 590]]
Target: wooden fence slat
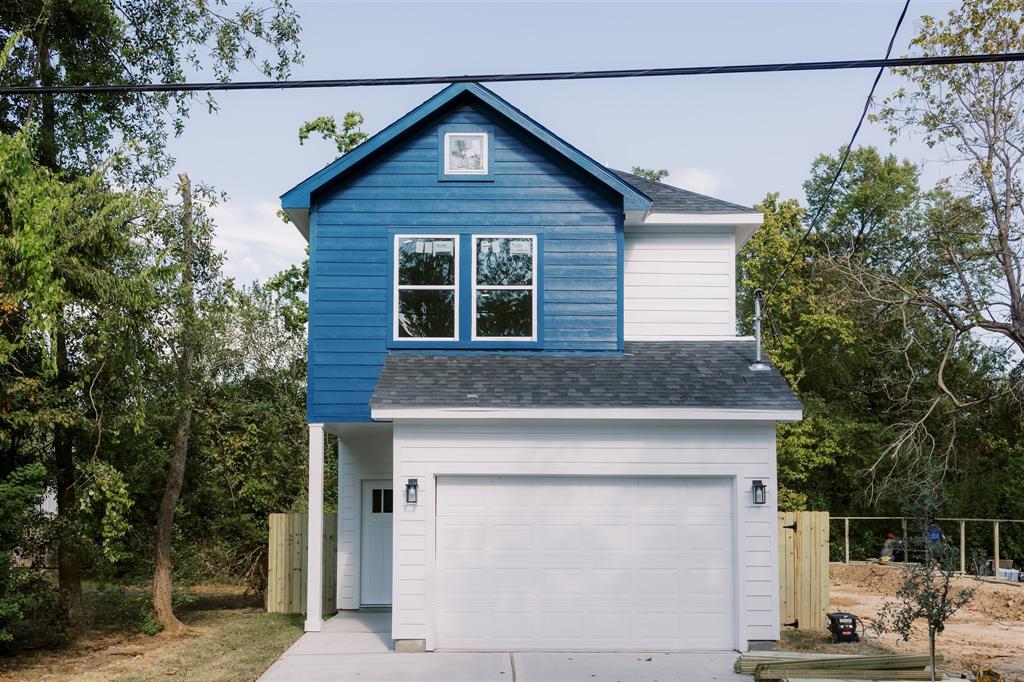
[[287, 553], [803, 568]]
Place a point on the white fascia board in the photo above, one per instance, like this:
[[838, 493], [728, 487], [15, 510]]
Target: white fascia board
[[626, 413], [744, 225], [754, 218]]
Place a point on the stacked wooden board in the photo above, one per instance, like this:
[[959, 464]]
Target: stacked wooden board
[[783, 666]]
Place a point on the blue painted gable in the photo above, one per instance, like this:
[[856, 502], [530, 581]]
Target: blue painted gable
[[532, 189]]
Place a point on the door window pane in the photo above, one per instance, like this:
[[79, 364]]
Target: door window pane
[[426, 313], [504, 313], [376, 504]]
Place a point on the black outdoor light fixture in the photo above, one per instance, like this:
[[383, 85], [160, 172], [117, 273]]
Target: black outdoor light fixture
[[760, 491], [411, 491]]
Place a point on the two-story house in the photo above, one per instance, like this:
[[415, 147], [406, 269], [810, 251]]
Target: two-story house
[[550, 437]]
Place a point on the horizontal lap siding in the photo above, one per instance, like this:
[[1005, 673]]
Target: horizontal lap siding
[[742, 450], [531, 192], [678, 283]]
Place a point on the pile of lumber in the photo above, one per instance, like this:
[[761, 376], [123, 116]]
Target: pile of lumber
[[781, 666]]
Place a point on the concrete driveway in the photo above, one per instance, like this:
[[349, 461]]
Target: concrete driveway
[[357, 646]]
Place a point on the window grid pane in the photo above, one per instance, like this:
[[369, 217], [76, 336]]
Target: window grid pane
[[504, 287], [426, 287]]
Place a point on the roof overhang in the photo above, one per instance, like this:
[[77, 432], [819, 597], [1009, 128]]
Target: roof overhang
[[585, 413], [745, 224], [297, 201]]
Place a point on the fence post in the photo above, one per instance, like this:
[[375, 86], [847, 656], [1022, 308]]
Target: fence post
[[995, 536], [963, 546], [846, 539], [903, 521]]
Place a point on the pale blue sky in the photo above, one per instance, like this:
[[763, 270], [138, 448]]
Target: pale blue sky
[[736, 137]]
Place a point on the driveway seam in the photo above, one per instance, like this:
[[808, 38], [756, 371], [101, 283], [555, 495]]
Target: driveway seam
[[512, 664]]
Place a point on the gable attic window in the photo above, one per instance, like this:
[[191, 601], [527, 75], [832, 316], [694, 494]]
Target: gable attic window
[[426, 282], [465, 152], [504, 287]]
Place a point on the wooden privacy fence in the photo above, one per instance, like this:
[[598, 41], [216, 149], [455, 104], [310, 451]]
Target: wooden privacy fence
[[286, 563], [803, 569]]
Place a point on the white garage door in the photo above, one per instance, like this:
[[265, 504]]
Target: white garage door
[[584, 563]]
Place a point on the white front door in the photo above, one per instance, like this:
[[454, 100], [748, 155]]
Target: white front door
[[578, 564], [375, 550]]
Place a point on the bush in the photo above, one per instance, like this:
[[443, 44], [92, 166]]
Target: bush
[[33, 613]]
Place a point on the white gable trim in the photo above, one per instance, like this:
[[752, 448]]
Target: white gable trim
[[743, 224], [643, 413], [754, 218]]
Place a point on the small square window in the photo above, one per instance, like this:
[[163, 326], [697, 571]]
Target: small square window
[[383, 501], [465, 153]]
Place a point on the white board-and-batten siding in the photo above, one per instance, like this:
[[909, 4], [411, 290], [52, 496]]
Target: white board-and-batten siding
[[740, 451], [679, 282]]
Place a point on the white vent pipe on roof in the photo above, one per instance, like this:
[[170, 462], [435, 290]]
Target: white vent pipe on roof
[[758, 366]]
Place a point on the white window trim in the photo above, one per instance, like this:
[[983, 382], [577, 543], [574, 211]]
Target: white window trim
[[517, 287], [397, 287], [448, 170]]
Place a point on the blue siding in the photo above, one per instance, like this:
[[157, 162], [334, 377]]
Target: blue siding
[[579, 222]]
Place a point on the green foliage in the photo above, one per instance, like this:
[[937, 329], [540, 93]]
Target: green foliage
[[20, 490], [143, 41], [865, 372], [106, 499], [650, 173], [345, 139]]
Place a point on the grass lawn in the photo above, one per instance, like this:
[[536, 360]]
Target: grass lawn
[[811, 641], [230, 638]]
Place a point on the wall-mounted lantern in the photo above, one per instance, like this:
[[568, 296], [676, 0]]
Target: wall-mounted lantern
[[760, 491], [411, 491]]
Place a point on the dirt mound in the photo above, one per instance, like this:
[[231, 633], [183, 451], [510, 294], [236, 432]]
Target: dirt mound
[[1003, 602], [1000, 602], [884, 580], [987, 632]]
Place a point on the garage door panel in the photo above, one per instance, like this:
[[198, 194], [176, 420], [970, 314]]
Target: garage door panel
[[584, 563]]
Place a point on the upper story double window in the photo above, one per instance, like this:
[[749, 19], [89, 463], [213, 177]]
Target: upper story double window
[[494, 300]]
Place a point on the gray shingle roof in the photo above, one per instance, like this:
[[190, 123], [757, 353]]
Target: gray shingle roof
[[669, 199], [704, 374]]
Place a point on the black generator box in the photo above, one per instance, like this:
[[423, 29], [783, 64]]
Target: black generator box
[[843, 627]]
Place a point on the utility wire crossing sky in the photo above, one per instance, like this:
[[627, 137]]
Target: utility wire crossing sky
[[520, 77]]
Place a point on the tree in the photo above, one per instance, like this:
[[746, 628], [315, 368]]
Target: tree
[[960, 270], [192, 299], [650, 174], [56, 42], [74, 291], [346, 139], [854, 364], [70, 43], [927, 591]]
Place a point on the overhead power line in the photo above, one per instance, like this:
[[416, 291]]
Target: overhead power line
[[516, 77], [842, 161]]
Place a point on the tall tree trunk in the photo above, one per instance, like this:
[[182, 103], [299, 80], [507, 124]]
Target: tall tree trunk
[[163, 606], [69, 566], [931, 649]]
